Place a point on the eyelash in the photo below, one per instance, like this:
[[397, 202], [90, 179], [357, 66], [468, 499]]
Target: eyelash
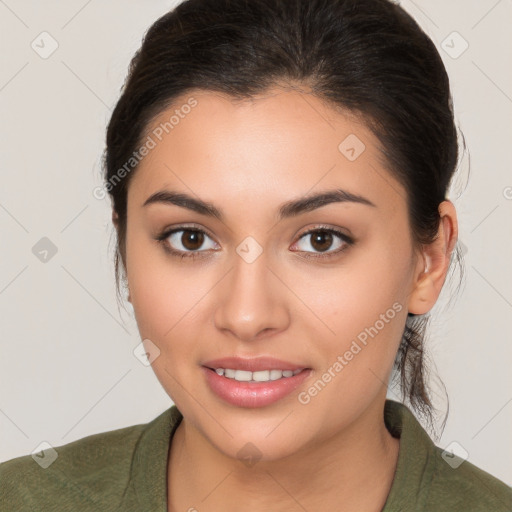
[[162, 238]]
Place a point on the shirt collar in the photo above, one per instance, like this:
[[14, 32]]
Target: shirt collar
[[149, 467], [414, 470]]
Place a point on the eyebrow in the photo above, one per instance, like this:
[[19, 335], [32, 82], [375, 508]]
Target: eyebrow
[[289, 209]]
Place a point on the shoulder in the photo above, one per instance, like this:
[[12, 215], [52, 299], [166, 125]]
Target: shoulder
[[460, 485], [85, 472], [429, 478]]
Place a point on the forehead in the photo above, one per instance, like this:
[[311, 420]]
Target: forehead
[[281, 144]]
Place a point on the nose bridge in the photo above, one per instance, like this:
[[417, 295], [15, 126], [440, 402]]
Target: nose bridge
[[250, 300]]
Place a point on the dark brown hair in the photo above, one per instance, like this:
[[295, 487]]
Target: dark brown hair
[[365, 56]]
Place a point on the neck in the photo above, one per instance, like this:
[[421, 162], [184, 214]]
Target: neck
[[349, 471]]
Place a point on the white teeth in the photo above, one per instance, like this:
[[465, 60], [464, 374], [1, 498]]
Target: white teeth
[[243, 376], [275, 374], [259, 376]]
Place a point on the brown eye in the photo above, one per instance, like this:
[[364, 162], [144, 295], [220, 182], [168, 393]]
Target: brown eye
[[186, 241], [321, 240], [192, 240]]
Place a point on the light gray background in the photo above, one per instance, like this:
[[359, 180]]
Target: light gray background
[[67, 368]]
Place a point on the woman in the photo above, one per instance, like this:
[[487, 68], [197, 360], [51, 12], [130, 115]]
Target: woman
[[278, 173]]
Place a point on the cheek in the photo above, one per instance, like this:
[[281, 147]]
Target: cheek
[[153, 287], [356, 355], [166, 296], [356, 293], [160, 300], [163, 300], [361, 310]]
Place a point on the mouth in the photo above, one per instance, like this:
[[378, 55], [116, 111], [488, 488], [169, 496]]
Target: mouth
[[253, 382]]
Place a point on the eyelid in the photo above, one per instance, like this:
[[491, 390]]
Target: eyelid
[[166, 232], [326, 227]]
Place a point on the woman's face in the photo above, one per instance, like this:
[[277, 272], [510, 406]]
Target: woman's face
[[258, 284]]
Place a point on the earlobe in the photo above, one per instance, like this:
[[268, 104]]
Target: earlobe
[[128, 295], [115, 218], [436, 260]]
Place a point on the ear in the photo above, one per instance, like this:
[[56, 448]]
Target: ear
[[115, 218], [432, 267], [115, 221]]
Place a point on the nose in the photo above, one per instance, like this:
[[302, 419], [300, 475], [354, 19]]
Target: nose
[[252, 300]]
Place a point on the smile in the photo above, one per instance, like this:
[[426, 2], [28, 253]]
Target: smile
[[259, 376], [242, 388]]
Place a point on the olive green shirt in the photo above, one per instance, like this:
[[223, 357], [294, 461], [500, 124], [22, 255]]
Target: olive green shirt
[[126, 470]]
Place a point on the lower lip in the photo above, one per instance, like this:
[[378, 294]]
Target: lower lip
[[253, 394]]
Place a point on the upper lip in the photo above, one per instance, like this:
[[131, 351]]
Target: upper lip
[[252, 365]]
